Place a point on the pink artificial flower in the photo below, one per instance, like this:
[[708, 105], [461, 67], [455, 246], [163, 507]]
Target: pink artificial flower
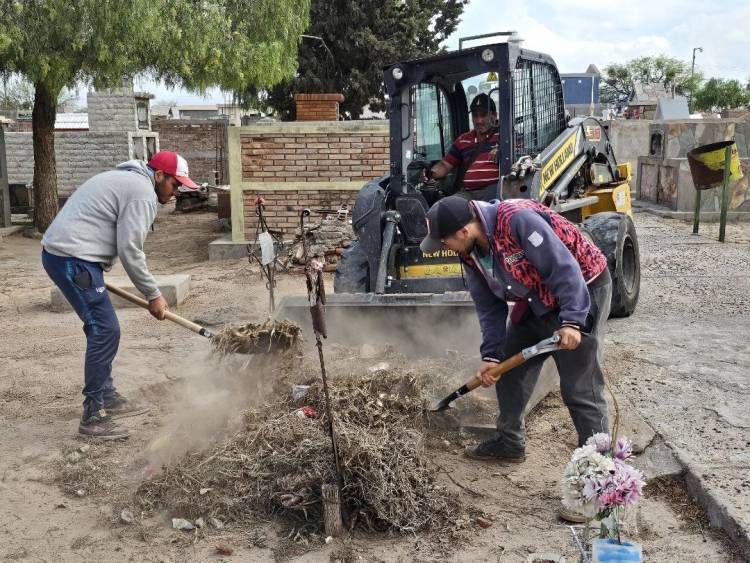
[[623, 488], [623, 449]]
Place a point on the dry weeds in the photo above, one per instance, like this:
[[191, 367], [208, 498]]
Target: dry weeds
[[276, 464]]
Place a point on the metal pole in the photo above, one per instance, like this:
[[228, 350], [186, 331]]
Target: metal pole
[[692, 85], [697, 216], [725, 193]]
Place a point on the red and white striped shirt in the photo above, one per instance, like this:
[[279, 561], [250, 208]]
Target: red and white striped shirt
[[482, 171]]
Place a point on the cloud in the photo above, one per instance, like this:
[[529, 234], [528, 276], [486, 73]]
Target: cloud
[[578, 32]]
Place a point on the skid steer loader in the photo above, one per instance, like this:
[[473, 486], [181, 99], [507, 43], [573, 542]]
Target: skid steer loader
[[385, 288]]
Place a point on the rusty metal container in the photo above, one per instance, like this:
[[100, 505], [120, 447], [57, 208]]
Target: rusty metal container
[[707, 165]]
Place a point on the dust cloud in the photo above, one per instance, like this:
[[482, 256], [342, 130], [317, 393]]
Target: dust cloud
[[414, 331], [205, 398]]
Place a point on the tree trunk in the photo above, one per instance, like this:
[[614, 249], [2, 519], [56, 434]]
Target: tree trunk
[[45, 169]]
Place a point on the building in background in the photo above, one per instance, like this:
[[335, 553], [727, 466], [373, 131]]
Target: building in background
[[581, 92], [116, 128]]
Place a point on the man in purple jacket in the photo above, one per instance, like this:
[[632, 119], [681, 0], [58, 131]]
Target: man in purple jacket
[[522, 252]]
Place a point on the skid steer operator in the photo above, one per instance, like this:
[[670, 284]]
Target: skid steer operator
[[521, 251], [476, 152]]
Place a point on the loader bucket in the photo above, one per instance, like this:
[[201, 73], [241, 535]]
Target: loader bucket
[[416, 324]]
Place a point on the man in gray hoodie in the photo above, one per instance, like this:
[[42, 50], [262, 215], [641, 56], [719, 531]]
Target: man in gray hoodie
[[106, 218]]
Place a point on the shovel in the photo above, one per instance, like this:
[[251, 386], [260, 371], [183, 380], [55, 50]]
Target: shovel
[[262, 341], [547, 345]]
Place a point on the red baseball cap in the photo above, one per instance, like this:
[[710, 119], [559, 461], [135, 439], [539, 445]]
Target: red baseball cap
[[174, 165]]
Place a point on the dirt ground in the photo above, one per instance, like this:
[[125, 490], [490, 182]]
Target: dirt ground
[[51, 511]]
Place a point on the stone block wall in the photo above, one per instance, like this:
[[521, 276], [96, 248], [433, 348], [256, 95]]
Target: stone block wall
[[203, 144], [629, 138], [664, 173], [317, 107], [79, 156], [297, 165], [112, 110]]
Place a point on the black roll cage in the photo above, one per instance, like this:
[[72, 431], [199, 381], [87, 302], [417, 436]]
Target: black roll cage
[[447, 71]]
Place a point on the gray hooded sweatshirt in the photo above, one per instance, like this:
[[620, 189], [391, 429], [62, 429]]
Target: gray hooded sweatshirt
[[108, 217]]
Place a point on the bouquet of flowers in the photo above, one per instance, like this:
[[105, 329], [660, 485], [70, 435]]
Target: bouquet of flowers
[[600, 482]]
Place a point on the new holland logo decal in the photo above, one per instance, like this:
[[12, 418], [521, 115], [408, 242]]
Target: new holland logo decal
[[558, 162]]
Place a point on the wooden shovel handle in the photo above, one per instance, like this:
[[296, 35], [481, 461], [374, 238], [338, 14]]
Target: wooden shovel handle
[[168, 314], [498, 371]]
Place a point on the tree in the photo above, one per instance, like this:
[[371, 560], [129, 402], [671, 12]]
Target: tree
[[718, 94], [359, 37], [618, 83], [232, 44]]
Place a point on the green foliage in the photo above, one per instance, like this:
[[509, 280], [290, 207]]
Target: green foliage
[[195, 44], [359, 38], [718, 94], [618, 83]]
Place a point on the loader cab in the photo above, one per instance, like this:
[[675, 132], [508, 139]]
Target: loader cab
[[428, 109], [429, 101]]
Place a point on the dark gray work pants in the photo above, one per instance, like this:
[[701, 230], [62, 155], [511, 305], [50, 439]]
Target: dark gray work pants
[[581, 377]]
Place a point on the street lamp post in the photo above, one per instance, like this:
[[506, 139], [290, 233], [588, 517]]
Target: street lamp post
[[692, 85]]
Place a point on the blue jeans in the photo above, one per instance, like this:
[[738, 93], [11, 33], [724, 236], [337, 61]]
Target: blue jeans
[[82, 284]]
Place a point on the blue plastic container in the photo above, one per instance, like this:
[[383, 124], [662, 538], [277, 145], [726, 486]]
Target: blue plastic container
[[609, 551]]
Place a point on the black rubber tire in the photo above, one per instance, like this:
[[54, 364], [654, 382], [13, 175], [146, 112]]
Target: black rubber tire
[[614, 234], [353, 271]]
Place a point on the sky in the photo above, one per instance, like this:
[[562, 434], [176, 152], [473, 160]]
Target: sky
[[579, 32]]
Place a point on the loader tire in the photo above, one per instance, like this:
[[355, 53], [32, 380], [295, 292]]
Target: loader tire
[[614, 234], [352, 273]]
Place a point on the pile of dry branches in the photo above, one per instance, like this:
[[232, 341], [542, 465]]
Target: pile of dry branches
[[277, 463], [251, 338]]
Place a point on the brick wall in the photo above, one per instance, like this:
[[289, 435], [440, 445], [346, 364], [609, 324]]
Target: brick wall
[[296, 165], [78, 155], [202, 144], [314, 157], [317, 107], [283, 208]]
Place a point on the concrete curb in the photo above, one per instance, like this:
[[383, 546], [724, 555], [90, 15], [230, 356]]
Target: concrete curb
[[720, 514], [8, 231], [687, 216]]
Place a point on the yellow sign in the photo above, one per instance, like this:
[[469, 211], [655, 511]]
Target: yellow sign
[[492, 76], [558, 162], [440, 254], [431, 270]]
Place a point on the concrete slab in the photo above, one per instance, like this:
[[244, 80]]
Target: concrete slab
[[8, 231], [658, 461], [633, 425], [225, 248], [174, 288]]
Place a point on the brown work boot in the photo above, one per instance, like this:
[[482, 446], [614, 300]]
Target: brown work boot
[[118, 406], [496, 450], [96, 423]]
